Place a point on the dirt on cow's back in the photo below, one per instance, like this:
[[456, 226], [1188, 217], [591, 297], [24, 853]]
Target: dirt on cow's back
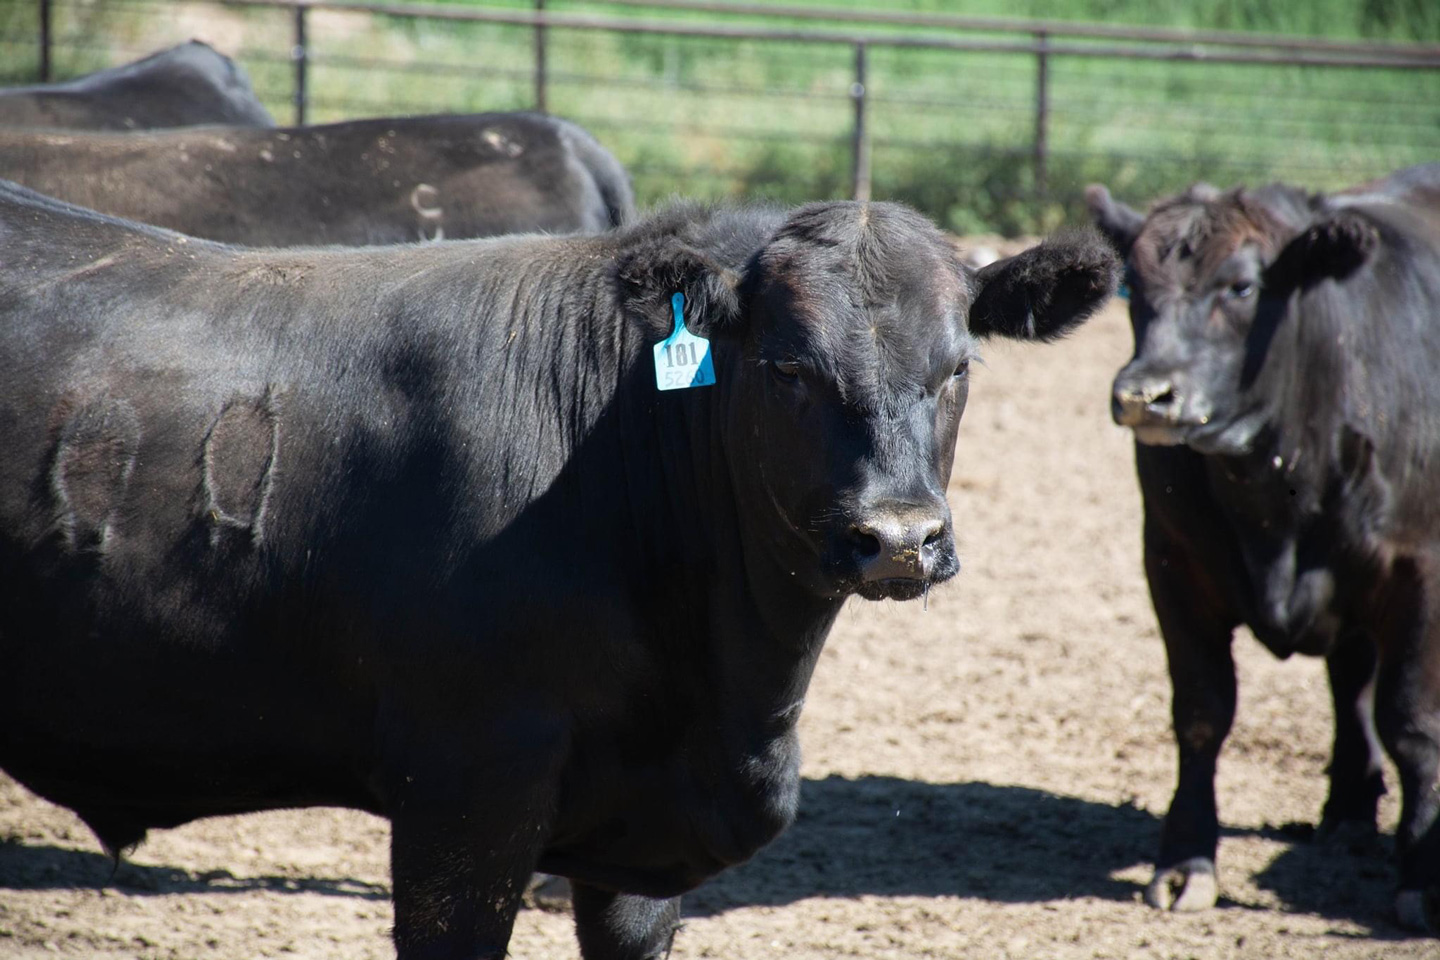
[[983, 778]]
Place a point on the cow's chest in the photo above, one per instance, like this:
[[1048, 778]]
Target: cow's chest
[[1291, 555], [661, 817]]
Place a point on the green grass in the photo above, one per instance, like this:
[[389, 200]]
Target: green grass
[[951, 132]]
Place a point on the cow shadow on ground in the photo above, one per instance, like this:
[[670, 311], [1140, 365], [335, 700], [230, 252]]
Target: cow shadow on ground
[[46, 867], [885, 836], [1338, 878], [878, 836]]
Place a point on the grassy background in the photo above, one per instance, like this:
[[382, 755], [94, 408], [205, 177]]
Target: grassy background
[[951, 132]]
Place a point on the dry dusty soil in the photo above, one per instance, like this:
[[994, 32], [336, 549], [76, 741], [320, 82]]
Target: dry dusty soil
[[983, 779]]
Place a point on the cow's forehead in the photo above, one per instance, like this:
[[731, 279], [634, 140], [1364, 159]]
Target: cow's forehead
[[864, 271], [1184, 242]]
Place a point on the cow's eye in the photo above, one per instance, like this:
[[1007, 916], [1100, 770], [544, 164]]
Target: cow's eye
[[787, 370], [963, 370], [1242, 289]]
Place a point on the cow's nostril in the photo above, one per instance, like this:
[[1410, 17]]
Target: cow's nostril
[[935, 535], [864, 541]]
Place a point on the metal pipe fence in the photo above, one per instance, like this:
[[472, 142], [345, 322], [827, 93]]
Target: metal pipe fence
[[904, 71]]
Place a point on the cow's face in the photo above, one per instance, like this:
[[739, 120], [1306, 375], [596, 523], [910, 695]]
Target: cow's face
[[1209, 277], [855, 374], [855, 328]]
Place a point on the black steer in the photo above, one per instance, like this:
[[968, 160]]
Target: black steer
[[413, 530], [183, 86], [1286, 405], [358, 183]]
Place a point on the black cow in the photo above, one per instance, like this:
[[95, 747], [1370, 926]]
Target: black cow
[[186, 85], [363, 182], [413, 529], [1286, 405]]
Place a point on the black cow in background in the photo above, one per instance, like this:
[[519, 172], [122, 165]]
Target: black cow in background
[[357, 183], [414, 530], [1285, 396], [186, 85]]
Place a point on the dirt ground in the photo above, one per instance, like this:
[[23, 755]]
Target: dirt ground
[[983, 779]]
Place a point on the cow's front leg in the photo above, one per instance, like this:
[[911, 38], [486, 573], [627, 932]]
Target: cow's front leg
[[1357, 780], [1202, 677], [623, 926], [457, 888], [466, 833], [1407, 714]]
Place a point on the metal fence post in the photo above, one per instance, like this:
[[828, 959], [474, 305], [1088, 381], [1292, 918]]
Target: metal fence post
[[862, 141], [301, 56], [44, 41], [540, 59], [1042, 112]]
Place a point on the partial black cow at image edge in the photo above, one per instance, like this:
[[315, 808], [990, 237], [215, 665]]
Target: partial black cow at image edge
[[182, 86], [1285, 403], [362, 182]]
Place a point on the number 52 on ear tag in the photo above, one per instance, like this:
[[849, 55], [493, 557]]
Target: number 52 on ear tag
[[682, 360]]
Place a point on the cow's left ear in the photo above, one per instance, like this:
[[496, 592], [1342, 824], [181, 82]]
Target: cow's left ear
[[1331, 248], [653, 273], [1046, 291]]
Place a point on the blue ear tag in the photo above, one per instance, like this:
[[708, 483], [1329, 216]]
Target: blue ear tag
[[682, 360], [1123, 291]]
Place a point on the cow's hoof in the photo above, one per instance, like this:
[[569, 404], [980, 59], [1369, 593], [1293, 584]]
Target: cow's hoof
[[548, 892], [1418, 910], [1184, 888]]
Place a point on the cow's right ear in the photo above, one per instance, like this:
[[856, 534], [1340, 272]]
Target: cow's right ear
[[1120, 224], [653, 273], [1045, 291], [1332, 248]]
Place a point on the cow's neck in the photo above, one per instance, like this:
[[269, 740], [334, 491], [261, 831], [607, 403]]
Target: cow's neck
[[756, 630], [645, 499]]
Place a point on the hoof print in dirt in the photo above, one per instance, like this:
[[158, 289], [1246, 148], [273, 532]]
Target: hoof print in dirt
[[1184, 888]]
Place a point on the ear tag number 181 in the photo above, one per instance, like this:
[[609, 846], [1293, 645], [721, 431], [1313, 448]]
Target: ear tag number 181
[[682, 360]]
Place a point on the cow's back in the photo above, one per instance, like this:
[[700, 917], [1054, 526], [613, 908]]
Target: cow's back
[[183, 86], [357, 183]]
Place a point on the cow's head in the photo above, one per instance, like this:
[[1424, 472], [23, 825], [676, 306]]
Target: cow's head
[[1210, 276], [848, 339]]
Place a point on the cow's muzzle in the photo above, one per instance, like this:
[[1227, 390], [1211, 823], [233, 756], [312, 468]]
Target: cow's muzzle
[[1144, 400], [1154, 407], [899, 552]]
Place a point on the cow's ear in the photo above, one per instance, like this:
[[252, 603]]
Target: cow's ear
[[1332, 248], [1120, 223], [1046, 291], [653, 273]]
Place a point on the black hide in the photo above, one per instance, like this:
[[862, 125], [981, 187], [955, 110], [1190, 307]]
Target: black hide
[[358, 183], [184, 86], [411, 530]]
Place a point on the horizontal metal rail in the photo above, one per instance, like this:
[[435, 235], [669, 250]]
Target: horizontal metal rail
[[794, 35], [1055, 28]]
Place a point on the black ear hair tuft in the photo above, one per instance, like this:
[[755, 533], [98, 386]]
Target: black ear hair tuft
[[1120, 223], [1332, 248], [652, 273], [1046, 291]]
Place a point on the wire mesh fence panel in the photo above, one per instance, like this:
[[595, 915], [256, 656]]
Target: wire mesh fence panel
[[978, 139]]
